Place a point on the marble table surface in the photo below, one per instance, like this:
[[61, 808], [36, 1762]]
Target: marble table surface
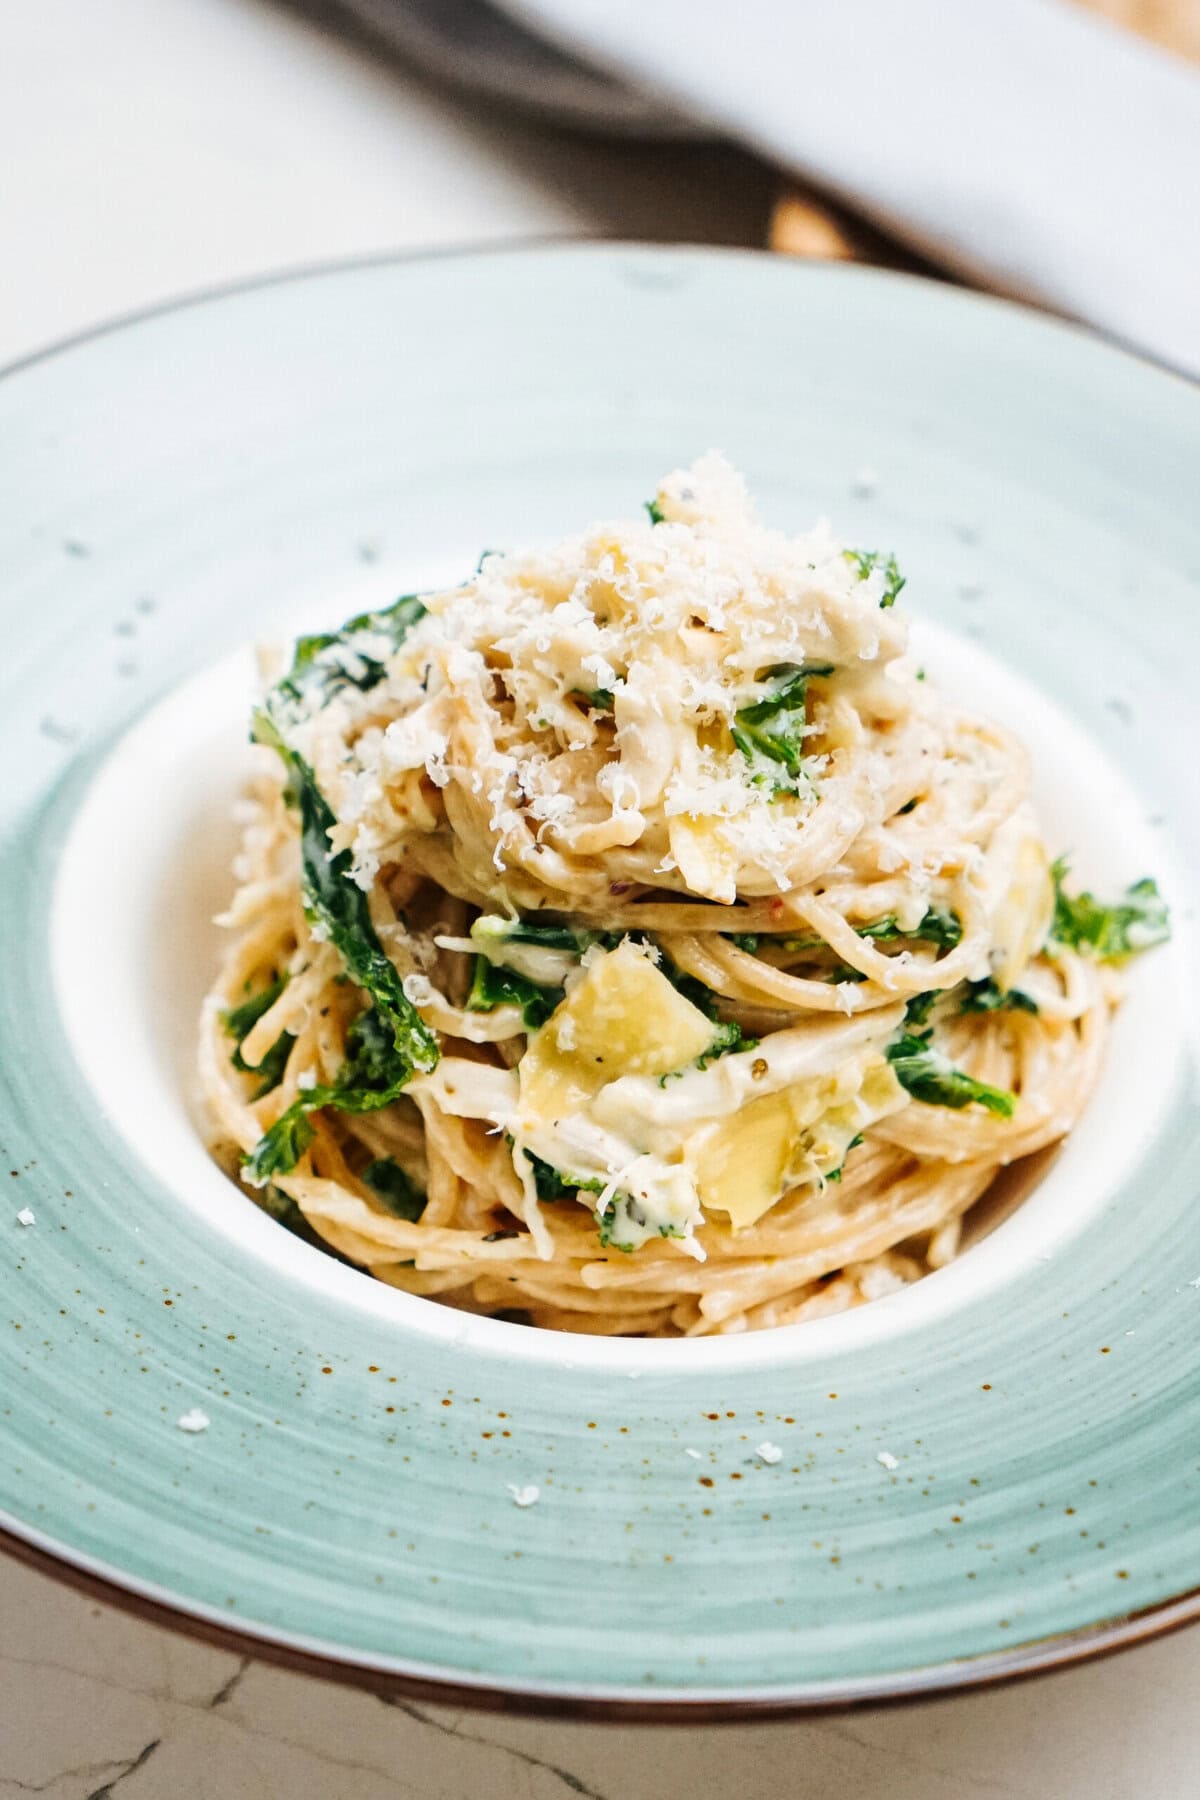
[[149, 150], [94, 1703]]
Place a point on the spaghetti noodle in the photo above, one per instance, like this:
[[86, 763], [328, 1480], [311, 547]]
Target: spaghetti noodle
[[631, 940]]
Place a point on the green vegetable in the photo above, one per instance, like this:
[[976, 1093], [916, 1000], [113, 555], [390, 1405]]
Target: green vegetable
[[493, 986], [327, 662], [985, 996], [771, 730], [1109, 933], [239, 1021], [372, 1076], [794, 946], [656, 514], [917, 1012], [621, 1213], [532, 931], [272, 1066], [614, 1220], [279, 1150], [625, 1215], [836, 1174], [931, 1077], [335, 903], [607, 1224], [552, 1185], [389, 1041], [395, 1187], [937, 927], [865, 561], [599, 699]]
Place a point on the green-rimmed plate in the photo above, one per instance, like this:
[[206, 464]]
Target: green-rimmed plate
[[992, 1471]]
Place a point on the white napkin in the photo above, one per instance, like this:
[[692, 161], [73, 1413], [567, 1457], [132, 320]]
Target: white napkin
[[1025, 144]]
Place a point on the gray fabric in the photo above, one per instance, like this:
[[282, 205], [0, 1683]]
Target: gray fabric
[[1023, 143]]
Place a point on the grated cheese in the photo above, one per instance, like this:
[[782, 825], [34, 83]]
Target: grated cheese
[[586, 692]]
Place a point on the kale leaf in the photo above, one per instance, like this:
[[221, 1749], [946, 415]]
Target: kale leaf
[[771, 730], [327, 662], [917, 1012], [335, 903], [865, 561], [272, 1066], [549, 936], [985, 996], [395, 1187], [373, 1075], [492, 985], [932, 1077], [621, 1213], [279, 1149], [239, 1021], [615, 1219], [624, 1213], [836, 1174], [937, 927], [552, 1185], [1109, 933]]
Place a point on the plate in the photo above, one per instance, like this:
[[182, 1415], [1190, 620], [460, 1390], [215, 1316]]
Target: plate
[[241, 465]]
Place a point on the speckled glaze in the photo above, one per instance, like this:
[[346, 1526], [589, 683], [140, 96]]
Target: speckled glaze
[[176, 486]]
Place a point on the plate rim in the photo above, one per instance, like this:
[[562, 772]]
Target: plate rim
[[992, 1669], [545, 243], [433, 1683]]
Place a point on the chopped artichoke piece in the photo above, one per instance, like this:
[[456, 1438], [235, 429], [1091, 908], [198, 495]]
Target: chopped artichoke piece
[[747, 1161], [623, 1017], [706, 856]]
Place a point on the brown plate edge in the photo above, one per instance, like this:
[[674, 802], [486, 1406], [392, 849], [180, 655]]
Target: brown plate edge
[[1038, 1656]]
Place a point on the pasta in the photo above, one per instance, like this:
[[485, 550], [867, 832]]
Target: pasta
[[631, 940]]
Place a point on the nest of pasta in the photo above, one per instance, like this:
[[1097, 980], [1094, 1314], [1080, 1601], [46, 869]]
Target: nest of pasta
[[631, 940]]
